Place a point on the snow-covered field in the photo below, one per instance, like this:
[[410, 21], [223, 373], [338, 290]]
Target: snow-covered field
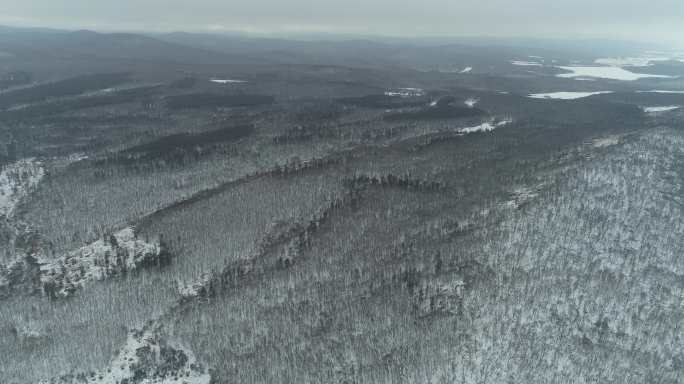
[[664, 108], [228, 81], [606, 72], [17, 180], [466, 70], [565, 95]]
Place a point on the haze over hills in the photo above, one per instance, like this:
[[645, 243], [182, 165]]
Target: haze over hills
[[206, 208]]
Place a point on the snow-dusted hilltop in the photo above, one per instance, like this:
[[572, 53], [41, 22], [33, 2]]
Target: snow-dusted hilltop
[[17, 180], [116, 254]]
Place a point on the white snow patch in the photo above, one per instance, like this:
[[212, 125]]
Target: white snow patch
[[76, 157], [406, 92], [157, 353], [566, 95], [605, 141], [665, 108], [471, 102], [17, 180], [521, 196], [466, 70], [487, 126], [606, 72], [526, 63], [228, 81], [661, 91], [190, 290], [122, 251]]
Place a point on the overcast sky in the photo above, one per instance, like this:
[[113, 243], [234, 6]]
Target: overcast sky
[[631, 19]]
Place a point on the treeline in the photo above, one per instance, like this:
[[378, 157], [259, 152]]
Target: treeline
[[174, 150], [306, 133], [382, 101], [72, 104], [213, 100], [67, 87], [185, 141], [391, 180], [295, 239], [435, 113], [184, 83], [14, 78]]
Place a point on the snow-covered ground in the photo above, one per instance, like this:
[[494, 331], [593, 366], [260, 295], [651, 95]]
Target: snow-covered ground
[[17, 180], [607, 141], [471, 102], [121, 252], [487, 126], [466, 70], [228, 81], [664, 108], [193, 289], [406, 92], [148, 355], [606, 72], [565, 95]]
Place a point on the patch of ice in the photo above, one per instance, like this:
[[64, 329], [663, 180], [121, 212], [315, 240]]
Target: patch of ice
[[665, 108], [487, 126], [118, 253], [471, 102], [228, 81], [566, 95], [17, 180], [466, 70], [606, 72], [526, 63]]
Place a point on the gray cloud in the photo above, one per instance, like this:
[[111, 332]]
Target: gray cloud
[[633, 19]]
